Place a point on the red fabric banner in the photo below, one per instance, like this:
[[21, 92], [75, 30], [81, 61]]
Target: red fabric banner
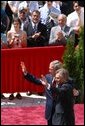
[[37, 61]]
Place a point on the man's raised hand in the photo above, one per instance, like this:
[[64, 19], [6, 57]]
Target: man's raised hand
[[23, 67]]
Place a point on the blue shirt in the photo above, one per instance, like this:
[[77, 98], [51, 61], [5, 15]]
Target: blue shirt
[[44, 12]]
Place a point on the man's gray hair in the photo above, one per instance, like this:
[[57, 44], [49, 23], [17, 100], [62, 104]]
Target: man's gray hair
[[63, 16], [56, 64]]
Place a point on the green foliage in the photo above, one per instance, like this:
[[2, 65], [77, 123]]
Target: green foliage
[[73, 60], [68, 57]]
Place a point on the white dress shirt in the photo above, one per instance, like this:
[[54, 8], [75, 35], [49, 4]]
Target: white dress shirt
[[56, 4], [44, 12], [35, 26], [32, 5], [72, 18]]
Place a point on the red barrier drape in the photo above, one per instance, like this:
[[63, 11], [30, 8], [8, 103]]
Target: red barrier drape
[[37, 61]]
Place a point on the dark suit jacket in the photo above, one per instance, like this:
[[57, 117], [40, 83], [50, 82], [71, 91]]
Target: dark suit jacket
[[64, 7], [49, 96], [64, 113], [40, 41], [49, 99]]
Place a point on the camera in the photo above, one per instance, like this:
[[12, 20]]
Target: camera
[[16, 38]]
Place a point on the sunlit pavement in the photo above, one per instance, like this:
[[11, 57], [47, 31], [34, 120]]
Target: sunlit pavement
[[26, 100]]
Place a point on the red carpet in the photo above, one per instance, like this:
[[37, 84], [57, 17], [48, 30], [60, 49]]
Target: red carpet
[[33, 115], [79, 114]]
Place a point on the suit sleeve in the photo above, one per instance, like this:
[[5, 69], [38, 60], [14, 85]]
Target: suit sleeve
[[32, 78], [62, 89]]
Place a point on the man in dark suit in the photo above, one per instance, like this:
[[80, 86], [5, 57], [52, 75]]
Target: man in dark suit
[[49, 78], [36, 31], [64, 99]]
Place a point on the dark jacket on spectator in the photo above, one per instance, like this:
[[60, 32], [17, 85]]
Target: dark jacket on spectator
[[41, 40]]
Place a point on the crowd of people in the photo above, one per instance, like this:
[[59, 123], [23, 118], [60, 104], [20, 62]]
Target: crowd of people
[[44, 25], [31, 24]]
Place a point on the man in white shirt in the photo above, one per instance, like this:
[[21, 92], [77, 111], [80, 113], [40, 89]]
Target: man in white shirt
[[14, 6], [30, 5], [48, 14], [45, 10], [76, 18], [57, 4]]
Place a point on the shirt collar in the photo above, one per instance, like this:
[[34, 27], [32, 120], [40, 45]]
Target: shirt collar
[[62, 28], [33, 24]]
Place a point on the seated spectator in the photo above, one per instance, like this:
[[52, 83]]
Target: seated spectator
[[16, 38], [76, 19], [36, 31], [61, 32]]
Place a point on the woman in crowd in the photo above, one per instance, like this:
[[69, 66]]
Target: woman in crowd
[[16, 38]]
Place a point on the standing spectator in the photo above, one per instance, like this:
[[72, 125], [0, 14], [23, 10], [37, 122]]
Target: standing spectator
[[48, 13], [36, 31], [33, 5], [61, 32], [66, 7], [57, 4], [16, 39], [11, 10], [22, 14], [30, 5], [4, 18], [76, 19], [4, 27], [49, 78], [14, 6], [46, 10]]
